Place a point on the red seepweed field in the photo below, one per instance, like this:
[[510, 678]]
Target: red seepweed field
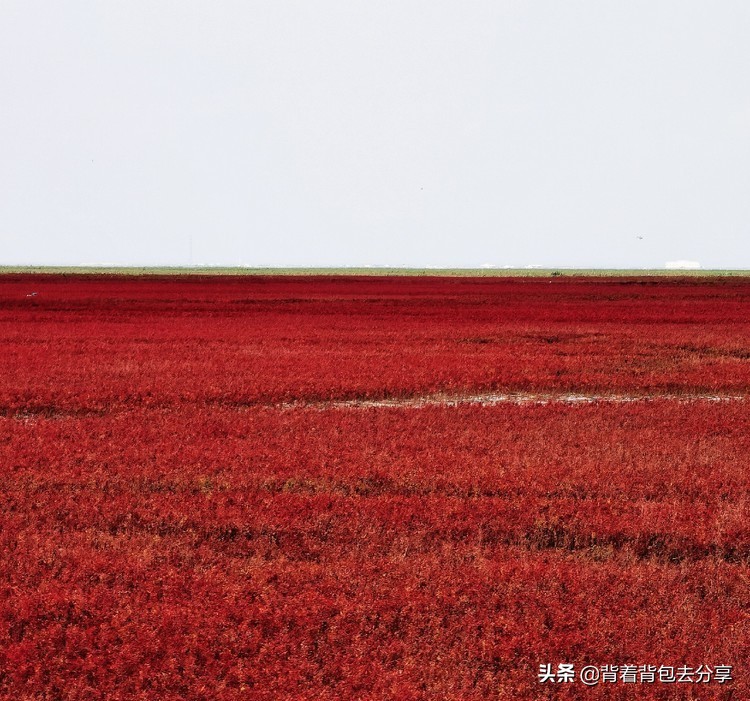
[[374, 488]]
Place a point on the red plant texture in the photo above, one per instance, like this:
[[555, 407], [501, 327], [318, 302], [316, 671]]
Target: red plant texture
[[340, 488]]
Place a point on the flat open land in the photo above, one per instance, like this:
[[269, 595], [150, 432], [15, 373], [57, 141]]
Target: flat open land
[[360, 487]]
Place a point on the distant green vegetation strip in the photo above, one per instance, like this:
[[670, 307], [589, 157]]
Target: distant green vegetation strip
[[441, 272]]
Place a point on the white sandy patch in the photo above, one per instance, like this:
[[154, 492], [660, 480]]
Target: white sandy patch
[[492, 399]]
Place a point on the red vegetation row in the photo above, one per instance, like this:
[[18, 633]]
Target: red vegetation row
[[96, 343], [163, 537]]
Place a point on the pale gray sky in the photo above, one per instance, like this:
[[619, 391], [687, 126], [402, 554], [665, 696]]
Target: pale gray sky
[[383, 132]]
